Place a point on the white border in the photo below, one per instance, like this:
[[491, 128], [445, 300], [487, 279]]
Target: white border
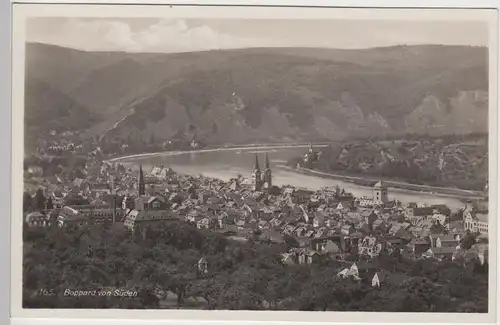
[[243, 12]]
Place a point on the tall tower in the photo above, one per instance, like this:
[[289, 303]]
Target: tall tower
[[267, 177], [256, 175], [380, 194], [142, 186]]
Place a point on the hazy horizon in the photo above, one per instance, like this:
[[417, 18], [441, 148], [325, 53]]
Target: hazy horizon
[[151, 35], [256, 47]]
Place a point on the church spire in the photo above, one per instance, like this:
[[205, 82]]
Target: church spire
[[256, 165], [142, 187], [267, 161]]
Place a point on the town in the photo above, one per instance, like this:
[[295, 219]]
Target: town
[[329, 223]]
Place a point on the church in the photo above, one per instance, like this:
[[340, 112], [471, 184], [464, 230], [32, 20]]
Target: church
[[145, 210], [261, 180]]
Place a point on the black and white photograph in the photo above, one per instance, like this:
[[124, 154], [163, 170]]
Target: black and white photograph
[[257, 164]]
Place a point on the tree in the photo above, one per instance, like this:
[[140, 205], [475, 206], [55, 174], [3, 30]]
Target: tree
[[73, 199], [467, 241], [27, 202], [274, 190], [40, 200], [50, 204], [290, 242]]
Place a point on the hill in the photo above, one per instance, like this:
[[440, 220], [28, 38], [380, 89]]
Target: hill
[[268, 94], [450, 161]]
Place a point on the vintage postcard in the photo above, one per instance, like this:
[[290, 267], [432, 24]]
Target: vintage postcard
[[254, 163]]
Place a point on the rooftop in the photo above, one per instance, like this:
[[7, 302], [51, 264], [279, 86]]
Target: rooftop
[[380, 184]]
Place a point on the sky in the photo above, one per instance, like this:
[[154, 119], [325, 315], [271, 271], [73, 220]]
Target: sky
[[186, 35]]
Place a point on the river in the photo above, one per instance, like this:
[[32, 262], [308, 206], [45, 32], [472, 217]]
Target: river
[[227, 163]]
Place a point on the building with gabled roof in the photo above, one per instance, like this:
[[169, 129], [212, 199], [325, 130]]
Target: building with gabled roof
[[475, 222]]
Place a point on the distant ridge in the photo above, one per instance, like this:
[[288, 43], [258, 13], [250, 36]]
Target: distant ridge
[[260, 94]]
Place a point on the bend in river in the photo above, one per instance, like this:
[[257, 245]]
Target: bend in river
[[227, 163]]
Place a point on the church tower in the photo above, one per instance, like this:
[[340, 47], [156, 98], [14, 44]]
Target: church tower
[[256, 175], [142, 186], [267, 176], [380, 194]]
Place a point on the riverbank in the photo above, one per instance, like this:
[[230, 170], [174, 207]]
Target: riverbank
[[458, 194], [228, 148], [463, 195]]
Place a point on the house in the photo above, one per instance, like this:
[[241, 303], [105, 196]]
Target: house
[[331, 223], [415, 214], [37, 219], [455, 227], [380, 225], [225, 219], [370, 246], [100, 188], [146, 202], [287, 258], [433, 238], [440, 253], [215, 200], [160, 173], [141, 219], [475, 222], [194, 216], [100, 214], [398, 230], [383, 277], [347, 229], [447, 241], [58, 198], [319, 219], [419, 245], [365, 202], [309, 234], [344, 206], [332, 249], [367, 268], [363, 227], [353, 240], [70, 217], [35, 170], [300, 231], [416, 230], [263, 224], [393, 242], [305, 255], [438, 218], [79, 183], [353, 272], [441, 209], [304, 242], [206, 223], [369, 216]]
